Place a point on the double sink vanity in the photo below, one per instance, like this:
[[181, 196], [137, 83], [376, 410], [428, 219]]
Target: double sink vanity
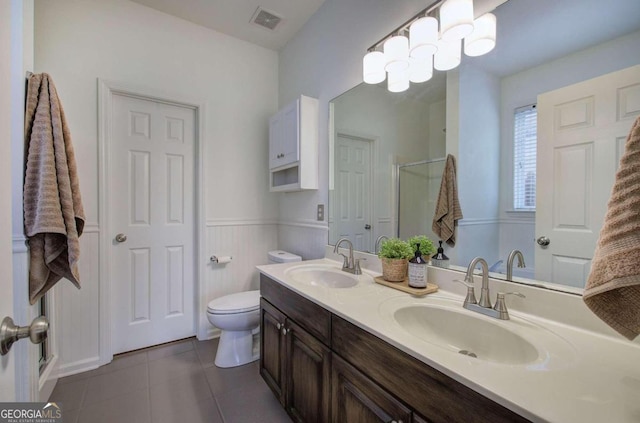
[[338, 347]]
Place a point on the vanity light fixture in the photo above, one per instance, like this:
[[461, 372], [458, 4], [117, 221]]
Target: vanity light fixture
[[415, 48]]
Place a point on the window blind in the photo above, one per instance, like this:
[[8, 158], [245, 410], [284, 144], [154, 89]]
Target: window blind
[[524, 158]]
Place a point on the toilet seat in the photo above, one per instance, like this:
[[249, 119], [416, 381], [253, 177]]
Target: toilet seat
[[241, 302]]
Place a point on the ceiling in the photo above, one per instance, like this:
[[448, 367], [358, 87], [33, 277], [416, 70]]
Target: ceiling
[[233, 17]]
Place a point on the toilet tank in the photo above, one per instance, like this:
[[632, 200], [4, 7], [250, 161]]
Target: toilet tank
[[279, 256]]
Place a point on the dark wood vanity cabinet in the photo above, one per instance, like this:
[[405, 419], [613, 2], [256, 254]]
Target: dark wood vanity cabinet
[[357, 399], [295, 364], [325, 369]]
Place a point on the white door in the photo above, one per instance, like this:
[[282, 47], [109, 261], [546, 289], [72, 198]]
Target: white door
[[352, 191], [152, 186], [582, 129]]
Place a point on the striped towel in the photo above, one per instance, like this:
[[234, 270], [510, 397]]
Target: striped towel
[[53, 212], [448, 210], [613, 287]]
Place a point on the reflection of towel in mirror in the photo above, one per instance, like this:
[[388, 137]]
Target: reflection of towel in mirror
[[448, 210], [613, 287], [53, 212]]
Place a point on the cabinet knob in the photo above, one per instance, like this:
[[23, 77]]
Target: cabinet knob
[[278, 325], [284, 330]]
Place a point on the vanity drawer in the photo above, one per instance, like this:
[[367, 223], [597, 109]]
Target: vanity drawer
[[307, 314], [426, 390]]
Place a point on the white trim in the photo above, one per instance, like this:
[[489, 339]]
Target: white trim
[[305, 223], [20, 245], [91, 228], [106, 90], [240, 222], [79, 366], [47, 380], [478, 221], [517, 222]]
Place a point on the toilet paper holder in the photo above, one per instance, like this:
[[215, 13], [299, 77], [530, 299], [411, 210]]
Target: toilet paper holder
[[221, 259]]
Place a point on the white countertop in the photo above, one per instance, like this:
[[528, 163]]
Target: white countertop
[[587, 376]]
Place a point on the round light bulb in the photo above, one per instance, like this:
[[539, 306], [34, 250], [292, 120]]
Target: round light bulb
[[456, 19], [483, 38], [398, 82], [420, 70], [396, 51], [423, 38], [373, 67], [448, 55]]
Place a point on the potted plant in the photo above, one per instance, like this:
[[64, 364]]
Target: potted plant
[[427, 249], [394, 255]]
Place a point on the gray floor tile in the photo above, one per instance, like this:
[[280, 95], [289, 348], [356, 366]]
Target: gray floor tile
[[222, 380], [81, 376], [255, 404], [204, 411], [207, 351], [167, 350], [70, 394], [132, 407], [70, 416], [109, 385], [173, 367], [178, 393]]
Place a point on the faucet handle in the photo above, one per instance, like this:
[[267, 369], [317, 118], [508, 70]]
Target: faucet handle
[[356, 266], [471, 294], [501, 306]]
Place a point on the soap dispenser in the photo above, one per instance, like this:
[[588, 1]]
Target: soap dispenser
[[417, 270], [439, 259]]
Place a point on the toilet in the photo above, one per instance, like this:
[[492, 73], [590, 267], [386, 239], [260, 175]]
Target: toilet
[[238, 317]]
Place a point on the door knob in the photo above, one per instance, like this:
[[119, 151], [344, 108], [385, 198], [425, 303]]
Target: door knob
[[10, 333], [367, 226], [121, 237], [543, 241]]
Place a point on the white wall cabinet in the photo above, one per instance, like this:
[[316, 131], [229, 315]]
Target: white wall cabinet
[[293, 146]]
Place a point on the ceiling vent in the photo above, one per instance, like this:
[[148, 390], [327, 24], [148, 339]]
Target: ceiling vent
[[265, 19]]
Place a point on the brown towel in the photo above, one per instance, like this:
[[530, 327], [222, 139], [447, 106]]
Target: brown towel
[[53, 212], [448, 210], [613, 287]]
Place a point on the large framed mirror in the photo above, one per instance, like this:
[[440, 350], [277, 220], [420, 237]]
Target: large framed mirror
[[551, 59]]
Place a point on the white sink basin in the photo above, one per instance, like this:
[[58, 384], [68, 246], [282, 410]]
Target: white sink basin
[[466, 334], [442, 321], [322, 275]]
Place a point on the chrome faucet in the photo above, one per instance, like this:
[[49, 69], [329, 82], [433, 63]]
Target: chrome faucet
[[484, 291], [512, 256], [349, 264], [378, 242], [499, 311]]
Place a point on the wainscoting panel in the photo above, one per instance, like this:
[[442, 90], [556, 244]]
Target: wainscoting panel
[[248, 244], [78, 311], [305, 240]]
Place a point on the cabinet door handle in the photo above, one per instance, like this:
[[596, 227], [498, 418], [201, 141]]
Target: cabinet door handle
[[284, 331], [278, 325]]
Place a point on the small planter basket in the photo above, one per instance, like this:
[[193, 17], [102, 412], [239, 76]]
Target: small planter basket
[[394, 270]]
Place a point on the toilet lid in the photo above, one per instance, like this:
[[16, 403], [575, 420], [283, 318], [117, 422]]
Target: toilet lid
[[235, 303]]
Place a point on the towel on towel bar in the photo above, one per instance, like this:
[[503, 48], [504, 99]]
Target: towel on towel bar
[[448, 210], [613, 287], [53, 212]]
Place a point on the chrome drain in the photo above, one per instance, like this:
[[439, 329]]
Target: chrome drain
[[468, 353]]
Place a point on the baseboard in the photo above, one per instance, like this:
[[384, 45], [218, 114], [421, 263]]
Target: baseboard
[[208, 333], [79, 367]]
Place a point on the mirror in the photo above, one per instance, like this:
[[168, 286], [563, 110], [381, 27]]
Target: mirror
[[542, 46]]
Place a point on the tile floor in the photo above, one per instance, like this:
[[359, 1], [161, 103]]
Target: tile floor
[[177, 382]]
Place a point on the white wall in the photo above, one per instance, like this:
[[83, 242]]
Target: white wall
[[78, 42], [473, 130], [517, 229]]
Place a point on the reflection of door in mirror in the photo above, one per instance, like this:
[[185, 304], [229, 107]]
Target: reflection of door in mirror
[[581, 133], [352, 188]]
